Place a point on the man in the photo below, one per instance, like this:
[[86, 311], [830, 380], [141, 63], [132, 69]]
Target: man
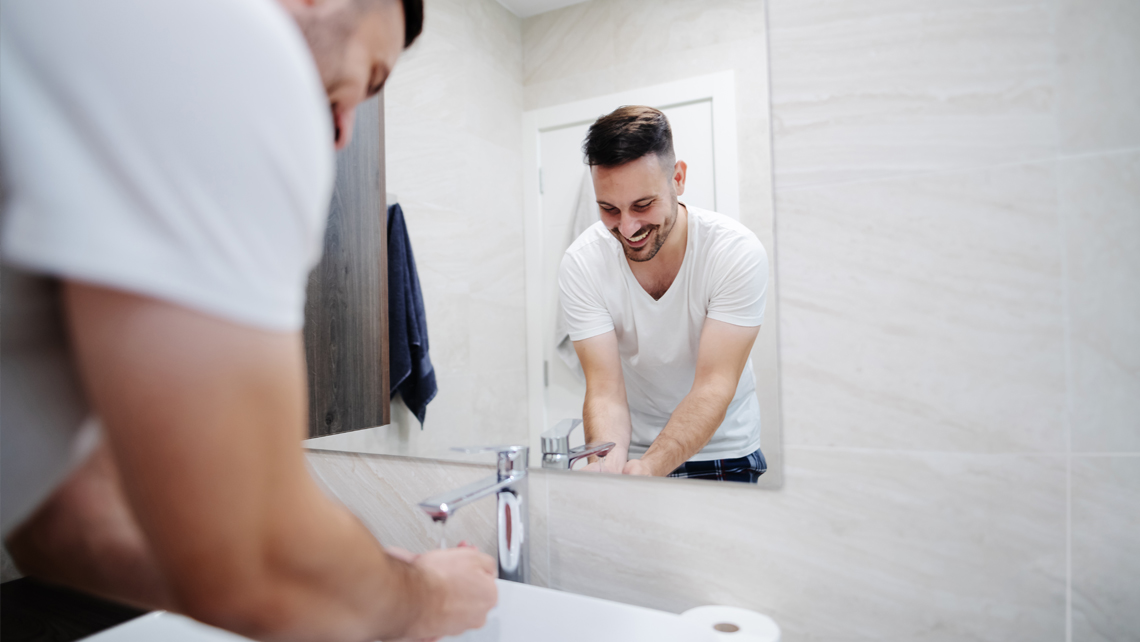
[[167, 169], [663, 303]]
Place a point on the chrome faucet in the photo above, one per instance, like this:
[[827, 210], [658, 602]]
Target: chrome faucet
[[509, 484], [556, 450]]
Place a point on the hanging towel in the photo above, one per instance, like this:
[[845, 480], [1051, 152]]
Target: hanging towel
[[412, 373], [584, 215]]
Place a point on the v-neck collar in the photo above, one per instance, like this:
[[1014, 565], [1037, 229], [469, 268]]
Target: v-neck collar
[[632, 278]]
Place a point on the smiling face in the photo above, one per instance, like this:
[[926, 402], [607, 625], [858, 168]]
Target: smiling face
[[355, 45], [638, 203]]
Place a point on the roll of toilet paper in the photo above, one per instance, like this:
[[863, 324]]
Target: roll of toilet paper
[[731, 623]]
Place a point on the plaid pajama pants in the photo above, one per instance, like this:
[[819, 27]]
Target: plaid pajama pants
[[742, 469]]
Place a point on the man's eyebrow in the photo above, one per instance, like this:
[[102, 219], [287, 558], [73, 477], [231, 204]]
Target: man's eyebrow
[[640, 200]]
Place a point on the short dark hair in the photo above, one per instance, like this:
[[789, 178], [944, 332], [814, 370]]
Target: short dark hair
[[626, 134], [413, 21]]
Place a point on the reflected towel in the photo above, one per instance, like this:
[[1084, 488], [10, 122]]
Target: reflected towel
[[412, 373]]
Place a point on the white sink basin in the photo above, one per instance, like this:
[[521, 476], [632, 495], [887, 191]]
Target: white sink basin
[[524, 614], [532, 614]]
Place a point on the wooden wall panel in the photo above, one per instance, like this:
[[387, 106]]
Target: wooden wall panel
[[346, 313]]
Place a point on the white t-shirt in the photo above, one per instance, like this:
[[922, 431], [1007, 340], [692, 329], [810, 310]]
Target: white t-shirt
[[181, 150], [724, 276]]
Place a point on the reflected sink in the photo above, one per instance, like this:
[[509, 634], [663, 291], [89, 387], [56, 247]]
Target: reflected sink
[[524, 614]]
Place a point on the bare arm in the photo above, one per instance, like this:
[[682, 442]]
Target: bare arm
[[605, 413], [204, 420], [85, 536], [721, 357]]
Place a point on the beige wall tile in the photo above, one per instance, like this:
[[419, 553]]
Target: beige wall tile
[[924, 313], [858, 546], [592, 36], [570, 40], [483, 29], [384, 492], [871, 89], [1098, 75], [1106, 549], [1100, 208]]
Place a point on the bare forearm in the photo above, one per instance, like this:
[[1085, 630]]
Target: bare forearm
[[329, 583], [85, 537], [203, 419], [690, 427], [332, 582], [606, 418]]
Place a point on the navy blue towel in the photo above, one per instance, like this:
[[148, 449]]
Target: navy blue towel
[[412, 373]]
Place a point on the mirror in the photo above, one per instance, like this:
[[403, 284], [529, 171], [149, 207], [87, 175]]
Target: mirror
[[485, 118]]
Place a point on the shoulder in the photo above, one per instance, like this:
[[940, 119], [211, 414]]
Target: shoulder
[[195, 140], [178, 96], [590, 258], [720, 233], [189, 66]]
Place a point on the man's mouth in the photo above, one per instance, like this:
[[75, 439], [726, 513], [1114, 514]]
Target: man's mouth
[[639, 237], [637, 241]]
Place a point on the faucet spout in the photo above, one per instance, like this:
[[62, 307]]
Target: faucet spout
[[441, 506], [509, 486]]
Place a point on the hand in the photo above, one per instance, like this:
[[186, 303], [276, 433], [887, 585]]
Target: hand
[[462, 589], [636, 467]]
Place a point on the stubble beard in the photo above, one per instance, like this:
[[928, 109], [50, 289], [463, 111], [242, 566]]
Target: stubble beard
[[660, 235]]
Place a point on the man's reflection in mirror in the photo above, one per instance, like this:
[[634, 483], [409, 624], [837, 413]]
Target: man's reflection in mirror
[[663, 302]]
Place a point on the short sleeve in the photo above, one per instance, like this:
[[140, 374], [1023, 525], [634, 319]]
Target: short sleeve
[[179, 150], [739, 282], [582, 302]]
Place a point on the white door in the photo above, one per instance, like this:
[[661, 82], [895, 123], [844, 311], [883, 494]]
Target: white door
[[564, 181]]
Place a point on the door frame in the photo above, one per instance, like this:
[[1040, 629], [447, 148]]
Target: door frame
[[719, 88]]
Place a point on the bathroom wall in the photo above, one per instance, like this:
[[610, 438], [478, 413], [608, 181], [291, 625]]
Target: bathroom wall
[[453, 116], [958, 227]]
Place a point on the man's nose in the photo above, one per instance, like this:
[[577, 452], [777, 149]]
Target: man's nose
[[629, 225]]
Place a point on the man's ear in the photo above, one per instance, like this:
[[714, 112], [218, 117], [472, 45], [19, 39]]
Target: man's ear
[[679, 171]]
